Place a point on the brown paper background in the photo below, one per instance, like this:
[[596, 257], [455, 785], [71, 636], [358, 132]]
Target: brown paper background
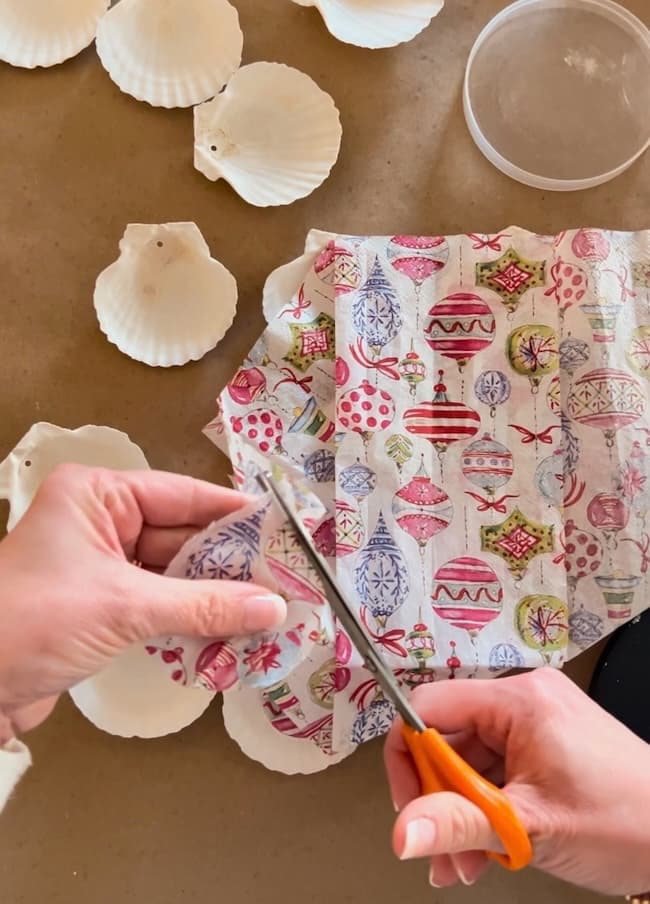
[[188, 818]]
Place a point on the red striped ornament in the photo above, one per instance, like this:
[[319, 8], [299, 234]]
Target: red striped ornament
[[467, 593], [460, 326], [442, 422]]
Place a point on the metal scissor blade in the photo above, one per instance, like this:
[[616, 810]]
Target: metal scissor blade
[[346, 614]]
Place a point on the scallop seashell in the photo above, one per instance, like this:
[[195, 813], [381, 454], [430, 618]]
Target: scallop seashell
[[273, 134], [165, 301], [37, 33], [45, 446], [247, 721], [134, 697], [375, 23], [170, 53]]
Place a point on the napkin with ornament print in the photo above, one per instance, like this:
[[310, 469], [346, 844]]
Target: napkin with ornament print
[[473, 413]]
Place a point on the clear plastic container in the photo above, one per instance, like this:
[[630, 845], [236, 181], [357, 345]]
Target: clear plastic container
[[557, 92]]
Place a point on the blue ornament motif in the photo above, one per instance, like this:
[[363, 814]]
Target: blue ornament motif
[[376, 311], [585, 628], [358, 480], [381, 576], [320, 466], [492, 387], [573, 354], [229, 554], [373, 722], [505, 656]]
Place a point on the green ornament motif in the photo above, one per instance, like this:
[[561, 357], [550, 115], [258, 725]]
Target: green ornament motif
[[641, 274], [511, 276], [311, 341], [517, 541]]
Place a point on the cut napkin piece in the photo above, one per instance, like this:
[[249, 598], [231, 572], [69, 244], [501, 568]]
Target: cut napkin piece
[[472, 411], [253, 544]]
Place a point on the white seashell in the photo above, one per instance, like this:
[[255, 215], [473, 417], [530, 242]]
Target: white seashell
[[37, 33], [376, 23], [45, 446], [134, 697], [245, 721], [170, 53], [273, 134], [165, 301], [284, 282]]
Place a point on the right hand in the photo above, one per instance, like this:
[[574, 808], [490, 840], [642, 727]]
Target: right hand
[[579, 780]]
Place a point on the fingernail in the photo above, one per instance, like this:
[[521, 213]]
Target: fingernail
[[420, 837], [432, 879], [261, 612], [461, 875]]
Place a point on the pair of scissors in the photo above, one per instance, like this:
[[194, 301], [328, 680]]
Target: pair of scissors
[[438, 765]]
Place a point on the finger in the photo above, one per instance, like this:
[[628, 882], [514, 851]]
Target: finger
[[151, 605], [403, 779], [442, 823], [442, 872], [173, 500], [27, 717], [157, 546], [470, 866], [481, 758]]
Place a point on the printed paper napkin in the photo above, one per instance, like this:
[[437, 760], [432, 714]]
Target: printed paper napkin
[[472, 411]]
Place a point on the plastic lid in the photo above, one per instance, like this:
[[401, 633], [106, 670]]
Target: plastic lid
[[557, 92]]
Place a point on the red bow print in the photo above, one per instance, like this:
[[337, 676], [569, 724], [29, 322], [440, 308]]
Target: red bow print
[[529, 437], [644, 548], [291, 377], [385, 366], [493, 242], [499, 505], [621, 279], [297, 310], [390, 640], [366, 688]]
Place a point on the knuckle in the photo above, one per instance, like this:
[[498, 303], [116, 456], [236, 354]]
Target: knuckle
[[215, 614], [465, 824]]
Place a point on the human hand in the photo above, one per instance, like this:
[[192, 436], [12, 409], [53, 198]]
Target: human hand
[[578, 779], [71, 599]]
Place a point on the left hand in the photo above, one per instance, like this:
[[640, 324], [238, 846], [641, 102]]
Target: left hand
[[71, 599]]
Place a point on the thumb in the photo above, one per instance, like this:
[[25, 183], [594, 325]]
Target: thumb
[[442, 823], [155, 605]]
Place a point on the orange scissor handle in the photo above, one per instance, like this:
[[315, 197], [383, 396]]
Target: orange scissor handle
[[441, 769]]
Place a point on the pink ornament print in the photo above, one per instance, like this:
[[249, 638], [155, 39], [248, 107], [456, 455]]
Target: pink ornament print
[[338, 266], [442, 422], [418, 257], [467, 593], [570, 285], [216, 667], [421, 508], [590, 245], [247, 384], [583, 553], [606, 399], [262, 427], [459, 326], [366, 409]]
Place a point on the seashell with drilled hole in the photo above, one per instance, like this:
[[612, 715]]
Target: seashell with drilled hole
[[45, 446], [273, 134], [170, 53], [36, 33], [375, 23], [165, 301]]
